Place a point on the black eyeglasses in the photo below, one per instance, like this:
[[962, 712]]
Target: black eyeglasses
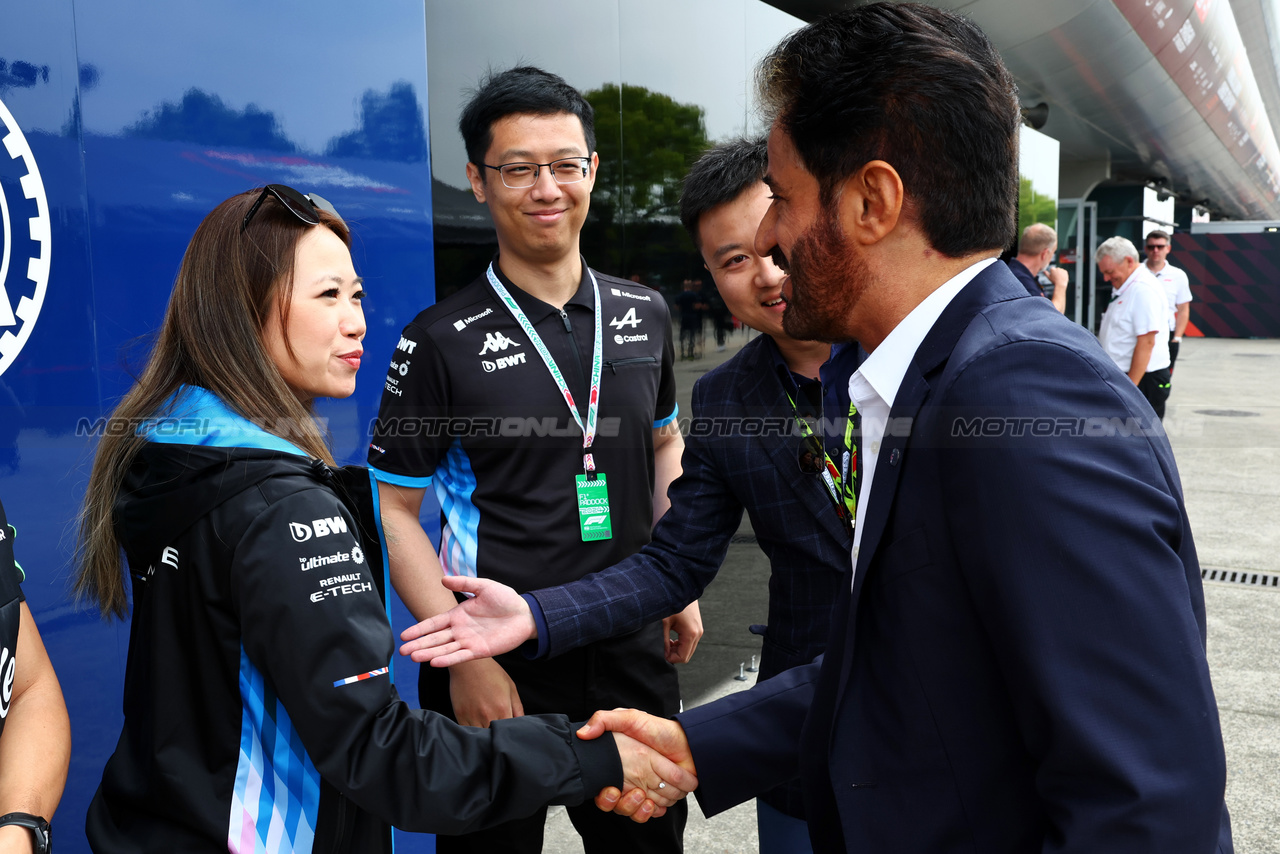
[[1151, 247], [521, 176], [303, 207]]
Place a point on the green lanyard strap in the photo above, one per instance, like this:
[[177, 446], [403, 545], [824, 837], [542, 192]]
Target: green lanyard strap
[[593, 403]]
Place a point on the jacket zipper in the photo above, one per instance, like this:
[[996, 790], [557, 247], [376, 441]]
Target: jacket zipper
[[341, 840], [577, 355]]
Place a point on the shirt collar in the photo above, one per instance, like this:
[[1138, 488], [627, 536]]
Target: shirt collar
[[884, 369], [1133, 277], [534, 308]]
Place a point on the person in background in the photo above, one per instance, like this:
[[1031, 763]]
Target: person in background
[[581, 364], [35, 732], [1135, 329], [1177, 289], [795, 482], [259, 712], [1036, 248]]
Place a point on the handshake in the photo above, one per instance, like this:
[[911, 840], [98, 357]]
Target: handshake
[[657, 767]]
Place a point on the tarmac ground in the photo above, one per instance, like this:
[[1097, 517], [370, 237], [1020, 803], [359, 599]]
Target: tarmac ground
[[1223, 419]]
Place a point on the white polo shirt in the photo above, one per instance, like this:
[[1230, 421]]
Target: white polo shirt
[[1137, 307], [1177, 289]]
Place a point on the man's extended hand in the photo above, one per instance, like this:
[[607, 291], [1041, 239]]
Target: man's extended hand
[[495, 620], [664, 736], [687, 626]]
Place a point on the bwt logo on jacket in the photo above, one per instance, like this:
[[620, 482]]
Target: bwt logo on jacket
[[319, 527]]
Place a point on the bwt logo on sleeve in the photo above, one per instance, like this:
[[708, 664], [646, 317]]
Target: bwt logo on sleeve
[[319, 528]]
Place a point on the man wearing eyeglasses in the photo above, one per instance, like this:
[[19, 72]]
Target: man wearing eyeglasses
[[539, 403], [772, 434], [1176, 287]]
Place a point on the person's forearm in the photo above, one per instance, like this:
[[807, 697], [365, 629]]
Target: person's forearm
[[1141, 357], [1181, 319], [36, 748], [415, 567], [667, 452]]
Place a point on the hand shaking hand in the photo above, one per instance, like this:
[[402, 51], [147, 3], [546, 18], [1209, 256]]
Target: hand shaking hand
[[493, 621], [657, 766]]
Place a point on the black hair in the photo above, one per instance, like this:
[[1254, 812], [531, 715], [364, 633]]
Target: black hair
[[520, 90], [720, 175], [920, 88]]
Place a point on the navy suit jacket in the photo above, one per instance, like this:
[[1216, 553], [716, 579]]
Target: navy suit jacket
[[1023, 275], [1001, 680]]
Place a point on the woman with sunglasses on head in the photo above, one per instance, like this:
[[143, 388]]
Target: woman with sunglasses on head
[[259, 713]]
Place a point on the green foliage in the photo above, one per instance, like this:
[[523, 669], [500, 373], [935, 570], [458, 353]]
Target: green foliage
[[1034, 206], [647, 141]]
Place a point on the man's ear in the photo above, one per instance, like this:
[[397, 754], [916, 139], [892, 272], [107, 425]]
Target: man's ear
[[870, 202], [476, 179]]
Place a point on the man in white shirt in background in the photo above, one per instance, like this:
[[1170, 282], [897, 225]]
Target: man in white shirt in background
[[1135, 327], [1176, 289]]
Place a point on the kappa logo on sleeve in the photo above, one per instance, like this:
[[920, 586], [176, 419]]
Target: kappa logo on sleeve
[[318, 528]]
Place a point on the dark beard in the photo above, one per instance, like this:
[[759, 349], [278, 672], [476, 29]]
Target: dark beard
[[827, 279]]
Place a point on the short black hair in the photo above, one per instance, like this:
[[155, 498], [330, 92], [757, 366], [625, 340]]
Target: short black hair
[[920, 88], [720, 175], [520, 90]]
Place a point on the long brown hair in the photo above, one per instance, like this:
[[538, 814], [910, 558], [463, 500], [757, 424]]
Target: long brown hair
[[228, 286]]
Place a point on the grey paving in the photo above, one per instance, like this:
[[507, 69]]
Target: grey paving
[[1230, 468]]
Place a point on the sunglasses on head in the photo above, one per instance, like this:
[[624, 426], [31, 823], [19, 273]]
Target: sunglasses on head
[[304, 207]]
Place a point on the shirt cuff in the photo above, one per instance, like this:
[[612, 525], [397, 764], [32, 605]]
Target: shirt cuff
[[665, 421], [530, 648]]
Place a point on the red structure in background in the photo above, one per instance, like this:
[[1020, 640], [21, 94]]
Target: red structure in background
[[1235, 282]]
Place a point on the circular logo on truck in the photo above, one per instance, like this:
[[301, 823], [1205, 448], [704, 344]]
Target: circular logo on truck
[[24, 240]]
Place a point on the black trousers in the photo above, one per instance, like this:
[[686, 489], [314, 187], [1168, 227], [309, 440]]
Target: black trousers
[[1173, 353], [627, 671], [1154, 386]]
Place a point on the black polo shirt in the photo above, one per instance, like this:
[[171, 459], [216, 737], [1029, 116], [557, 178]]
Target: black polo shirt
[[470, 409]]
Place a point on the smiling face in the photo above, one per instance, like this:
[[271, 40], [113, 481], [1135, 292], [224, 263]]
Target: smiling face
[[827, 275], [1116, 273], [749, 283], [538, 224], [324, 321]]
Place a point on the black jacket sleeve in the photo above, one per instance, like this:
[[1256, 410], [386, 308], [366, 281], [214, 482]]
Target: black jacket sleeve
[[313, 624]]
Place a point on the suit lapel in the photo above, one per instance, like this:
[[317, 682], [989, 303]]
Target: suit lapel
[[994, 284]]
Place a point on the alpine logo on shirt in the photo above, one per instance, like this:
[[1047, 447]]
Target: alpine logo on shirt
[[628, 319], [495, 341]]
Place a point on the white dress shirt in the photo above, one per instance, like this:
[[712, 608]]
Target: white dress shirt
[[874, 386]]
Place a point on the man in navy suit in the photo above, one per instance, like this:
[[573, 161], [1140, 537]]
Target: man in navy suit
[[1019, 665], [752, 417]]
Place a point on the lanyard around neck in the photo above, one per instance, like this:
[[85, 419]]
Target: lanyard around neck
[[597, 362], [840, 485]]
